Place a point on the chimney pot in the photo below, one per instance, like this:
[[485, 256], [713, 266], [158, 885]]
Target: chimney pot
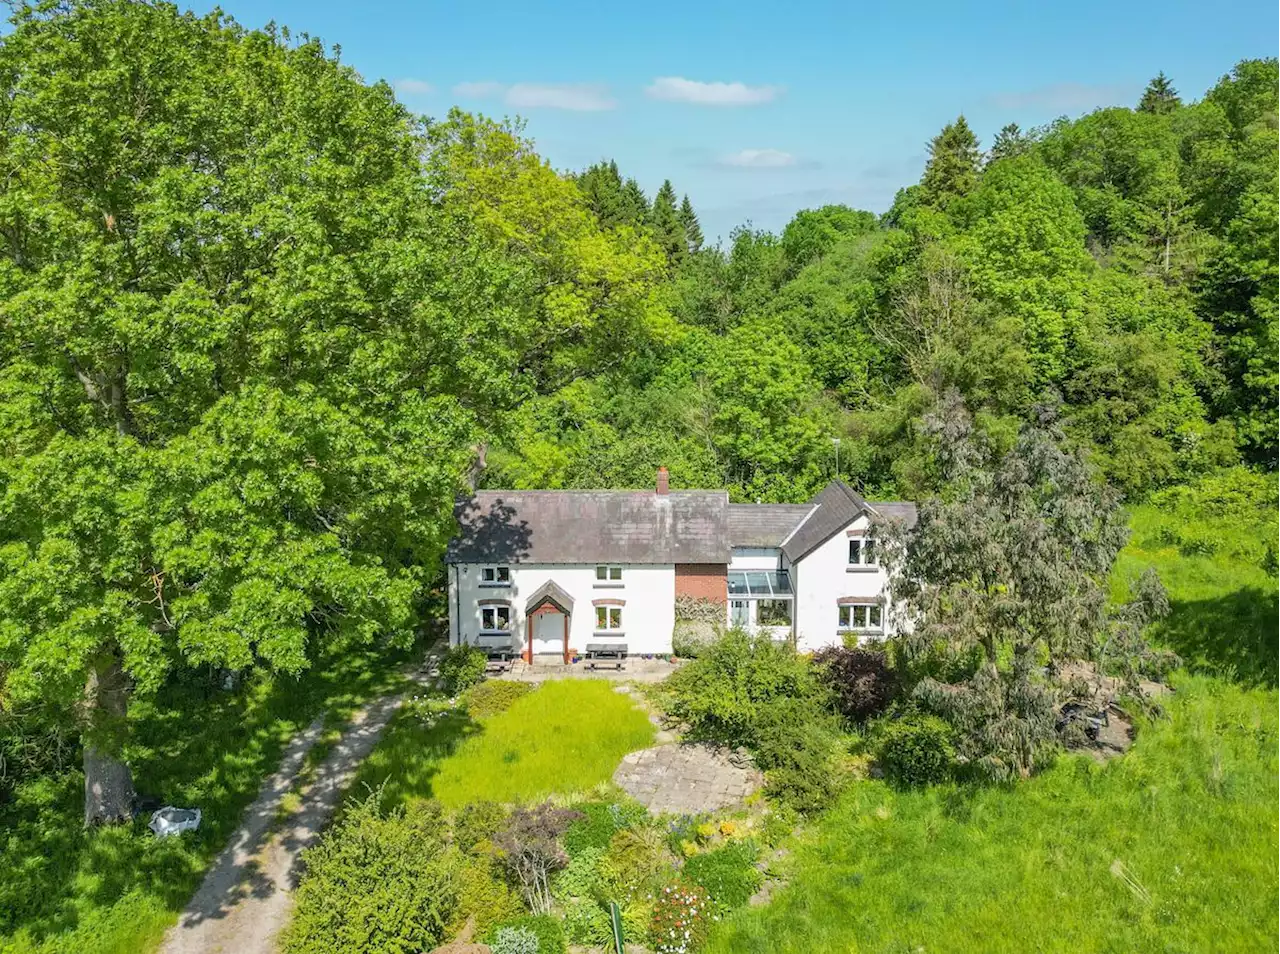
[[663, 484]]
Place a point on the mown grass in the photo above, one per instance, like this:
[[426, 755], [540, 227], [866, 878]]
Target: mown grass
[[1172, 848], [564, 738], [116, 890]]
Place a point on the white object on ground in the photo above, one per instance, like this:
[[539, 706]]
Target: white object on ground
[[174, 821]]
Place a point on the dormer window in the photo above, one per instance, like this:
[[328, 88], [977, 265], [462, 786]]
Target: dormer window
[[495, 575]]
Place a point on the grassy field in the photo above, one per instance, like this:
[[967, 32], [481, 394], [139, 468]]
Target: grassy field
[[1172, 848], [116, 890], [564, 738]]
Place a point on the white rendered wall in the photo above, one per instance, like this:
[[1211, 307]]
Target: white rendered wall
[[821, 578], [648, 616]]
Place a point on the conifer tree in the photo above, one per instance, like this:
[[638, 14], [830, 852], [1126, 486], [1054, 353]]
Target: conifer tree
[[692, 230], [1010, 141], [637, 203], [952, 170], [1159, 97], [664, 219]]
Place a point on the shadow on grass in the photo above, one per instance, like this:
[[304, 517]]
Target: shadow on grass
[[406, 761], [54, 874], [1233, 636]]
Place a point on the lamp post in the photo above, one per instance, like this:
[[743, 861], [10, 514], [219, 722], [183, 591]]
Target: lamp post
[[836, 441]]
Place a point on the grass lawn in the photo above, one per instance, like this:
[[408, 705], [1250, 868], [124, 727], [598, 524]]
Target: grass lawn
[[565, 737], [116, 890], [1172, 848]]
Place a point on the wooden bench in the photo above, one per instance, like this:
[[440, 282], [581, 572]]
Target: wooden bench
[[499, 656], [615, 653]]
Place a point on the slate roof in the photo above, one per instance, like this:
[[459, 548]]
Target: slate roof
[[838, 505], [591, 526], [764, 525], [552, 591]]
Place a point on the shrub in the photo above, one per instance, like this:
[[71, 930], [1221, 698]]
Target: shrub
[[728, 873], [637, 862], [915, 750], [477, 824], [545, 929], [795, 747], [586, 923], [461, 668], [531, 851], [862, 684], [681, 917], [722, 694], [493, 696], [376, 882], [515, 940], [599, 822], [483, 894]]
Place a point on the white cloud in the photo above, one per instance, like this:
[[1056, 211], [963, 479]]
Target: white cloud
[[412, 87], [1065, 96], [581, 97], [480, 90], [759, 159], [676, 89]]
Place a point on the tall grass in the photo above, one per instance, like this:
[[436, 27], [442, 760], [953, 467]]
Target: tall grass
[[564, 738], [1171, 848]]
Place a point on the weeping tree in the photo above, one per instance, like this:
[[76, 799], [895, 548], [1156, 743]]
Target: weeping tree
[[247, 342], [1004, 579]]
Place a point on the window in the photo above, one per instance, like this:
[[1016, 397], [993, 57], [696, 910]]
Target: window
[[495, 619], [773, 613], [862, 552], [608, 574], [495, 575], [861, 616], [608, 617]]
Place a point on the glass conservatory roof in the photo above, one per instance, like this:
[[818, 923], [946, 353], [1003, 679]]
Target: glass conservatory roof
[[763, 584]]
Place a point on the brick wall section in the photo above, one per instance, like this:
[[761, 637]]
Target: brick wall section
[[705, 581]]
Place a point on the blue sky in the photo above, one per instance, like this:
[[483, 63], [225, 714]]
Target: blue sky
[[756, 110]]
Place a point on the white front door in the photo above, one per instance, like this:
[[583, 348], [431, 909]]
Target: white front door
[[548, 633]]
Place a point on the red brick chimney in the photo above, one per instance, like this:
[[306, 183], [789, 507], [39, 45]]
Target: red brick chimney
[[663, 484]]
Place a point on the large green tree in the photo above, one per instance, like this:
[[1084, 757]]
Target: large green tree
[[248, 343], [952, 169]]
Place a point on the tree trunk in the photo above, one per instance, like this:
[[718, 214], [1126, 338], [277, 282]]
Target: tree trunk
[[108, 781]]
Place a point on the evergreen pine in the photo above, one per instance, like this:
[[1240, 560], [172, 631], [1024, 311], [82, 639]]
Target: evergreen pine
[[692, 230], [636, 202], [1159, 97], [952, 170], [1010, 141], [664, 219]]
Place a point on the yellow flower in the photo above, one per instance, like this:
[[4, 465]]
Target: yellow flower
[[728, 828]]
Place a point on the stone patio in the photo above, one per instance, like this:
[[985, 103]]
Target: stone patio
[[637, 670], [687, 779]]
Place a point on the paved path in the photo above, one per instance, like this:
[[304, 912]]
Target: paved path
[[246, 897], [687, 779]]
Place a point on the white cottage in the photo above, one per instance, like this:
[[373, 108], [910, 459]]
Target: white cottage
[[550, 572]]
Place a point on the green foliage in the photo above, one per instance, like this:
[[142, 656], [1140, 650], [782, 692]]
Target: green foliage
[[814, 232], [728, 873], [377, 882], [914, 749], [757, 693], [681, 918], [952, 170], [1129, 855], [462, 668], [545, 929], [492, 696], [861, 681], [600, 821], [514, 940]]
